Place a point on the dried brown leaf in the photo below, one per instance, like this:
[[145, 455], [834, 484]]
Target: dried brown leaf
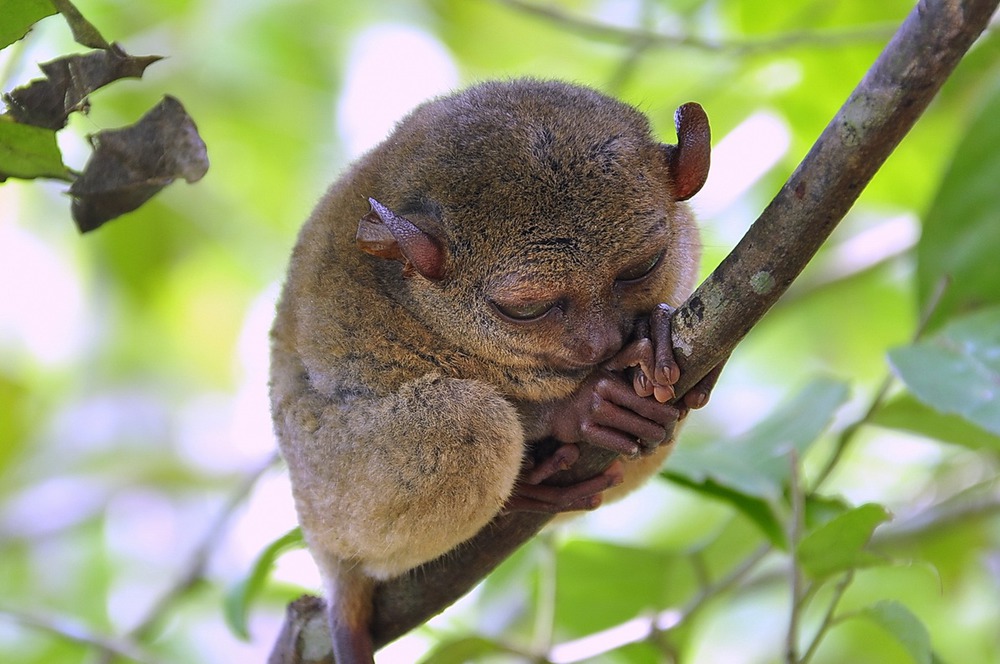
[[69, 80], [130, 165]]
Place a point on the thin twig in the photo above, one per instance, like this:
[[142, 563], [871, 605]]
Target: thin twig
[[636, 50], [828, 617], [599, 31], [712, 591], [796, 524], [956, 510]]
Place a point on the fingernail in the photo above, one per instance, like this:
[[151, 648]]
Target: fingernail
[[664, 393], [642, 381]]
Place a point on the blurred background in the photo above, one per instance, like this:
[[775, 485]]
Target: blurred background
[[137, 473]]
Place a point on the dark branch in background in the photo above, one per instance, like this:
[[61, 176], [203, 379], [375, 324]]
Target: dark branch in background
[[193, 572], [852, 148], [646, 39], [73, 631]]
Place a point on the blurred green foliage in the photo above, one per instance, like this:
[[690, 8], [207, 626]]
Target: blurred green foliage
[[133, 378]]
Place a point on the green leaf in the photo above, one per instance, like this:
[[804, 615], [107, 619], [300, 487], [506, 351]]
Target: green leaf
[[29, 152], [900, 622], [17, 17], [582, 574], [466, 649], [752, 470], [839, 544], [958, 370], [239, 598], [15, 425], [905, 413], [961, 236]]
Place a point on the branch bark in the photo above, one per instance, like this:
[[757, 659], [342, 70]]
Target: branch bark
[[855, 144]]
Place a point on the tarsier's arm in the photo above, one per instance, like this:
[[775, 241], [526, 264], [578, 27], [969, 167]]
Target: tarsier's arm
[[604, 411], [623, 406]]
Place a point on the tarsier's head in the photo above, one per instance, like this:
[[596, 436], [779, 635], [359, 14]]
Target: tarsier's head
[[542, 213]]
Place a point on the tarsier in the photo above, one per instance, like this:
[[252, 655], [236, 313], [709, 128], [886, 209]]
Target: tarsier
[[498, 273]]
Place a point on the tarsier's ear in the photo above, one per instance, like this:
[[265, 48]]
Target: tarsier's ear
[[688, 160], [385, 234]]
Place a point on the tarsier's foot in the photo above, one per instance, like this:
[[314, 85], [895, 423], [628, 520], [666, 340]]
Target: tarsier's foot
[[532, 496]]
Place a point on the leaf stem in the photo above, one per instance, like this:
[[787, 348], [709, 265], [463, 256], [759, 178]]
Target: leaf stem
[[828, 617], [796, 523]]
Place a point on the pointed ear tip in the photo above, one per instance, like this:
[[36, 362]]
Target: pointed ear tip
[[691, 119]]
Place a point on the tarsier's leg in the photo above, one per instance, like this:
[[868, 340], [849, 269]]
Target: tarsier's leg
[[349, 611]]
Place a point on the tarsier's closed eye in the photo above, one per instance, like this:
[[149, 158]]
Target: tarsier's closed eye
[[640, 270], [523, 312]]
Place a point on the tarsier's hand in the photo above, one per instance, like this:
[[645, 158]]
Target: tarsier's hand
[[623, 406], [606, 411], [649, 360]]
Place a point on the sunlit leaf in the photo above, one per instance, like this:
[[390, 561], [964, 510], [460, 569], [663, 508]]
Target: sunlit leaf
[[905, 413], [958, 370], [902, 624], [961, 236], [839, 544], [29, 152], [752, 470], [627, 579], [17, 17], [465, 649], [240, 597]]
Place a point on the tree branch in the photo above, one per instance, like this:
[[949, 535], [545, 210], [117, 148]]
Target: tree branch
[[851, 149]]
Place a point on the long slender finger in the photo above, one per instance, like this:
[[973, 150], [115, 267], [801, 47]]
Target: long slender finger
[[564, 457], [629, 423], [698, 395], [666, 372], [619, 393], [583, 495], [610, 439]]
